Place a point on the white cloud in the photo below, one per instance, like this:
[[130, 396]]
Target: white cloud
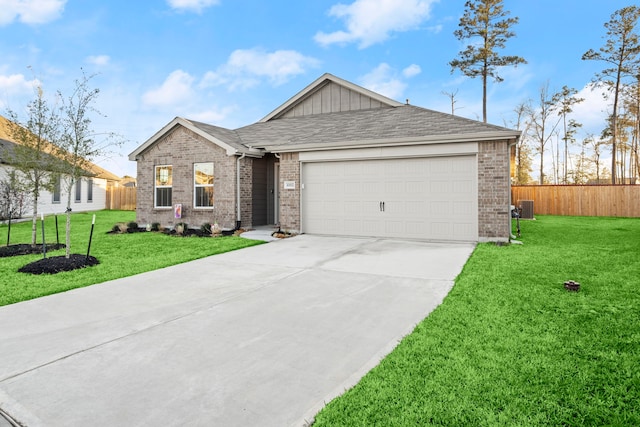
[[100, 60], [411, 71], [593, 111], [372, 21], [386, 80], [31, 11], [383, 80], [211, 116], [176, 89], [15, 85], [192, 5], [246, 67]]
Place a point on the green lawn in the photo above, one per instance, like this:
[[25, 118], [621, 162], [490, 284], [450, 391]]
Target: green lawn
[[510, 346], [120, 255]]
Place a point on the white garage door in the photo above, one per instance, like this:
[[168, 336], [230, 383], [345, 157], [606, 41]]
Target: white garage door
[[423, 198]]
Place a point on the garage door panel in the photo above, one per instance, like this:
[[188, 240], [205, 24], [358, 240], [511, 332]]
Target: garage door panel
[[424, 198], [439, 187], [463, 187], [441, 230], [371, 227], [370, 188]]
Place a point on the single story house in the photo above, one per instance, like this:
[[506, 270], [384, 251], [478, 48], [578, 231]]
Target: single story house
[[88, 194], [337, 159]]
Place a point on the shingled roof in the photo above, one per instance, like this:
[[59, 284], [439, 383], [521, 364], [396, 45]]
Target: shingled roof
[[395, 125], [364, 119], [7, 144]]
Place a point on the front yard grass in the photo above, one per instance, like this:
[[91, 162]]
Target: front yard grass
[[120, 255], [510, 346]]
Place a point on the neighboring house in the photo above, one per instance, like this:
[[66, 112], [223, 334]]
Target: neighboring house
[[128, 181], [88, 194], [334, 159]]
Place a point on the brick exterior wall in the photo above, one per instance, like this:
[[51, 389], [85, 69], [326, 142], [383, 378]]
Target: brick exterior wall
[[289, 199], [246, 192], [181, 148], [494, 219]]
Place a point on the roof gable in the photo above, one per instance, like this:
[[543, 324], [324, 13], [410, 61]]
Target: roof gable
[[221, 137], [330, 94]]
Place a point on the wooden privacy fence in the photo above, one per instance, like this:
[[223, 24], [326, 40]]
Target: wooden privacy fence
[[121, 198], [580, 200]]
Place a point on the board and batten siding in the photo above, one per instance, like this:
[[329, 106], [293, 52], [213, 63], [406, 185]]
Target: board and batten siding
[[332, 98]]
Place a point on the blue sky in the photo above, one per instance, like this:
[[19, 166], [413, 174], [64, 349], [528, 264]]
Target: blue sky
[[231, 62]]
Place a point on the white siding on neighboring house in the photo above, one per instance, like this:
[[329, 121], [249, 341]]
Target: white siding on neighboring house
[[47, 206]]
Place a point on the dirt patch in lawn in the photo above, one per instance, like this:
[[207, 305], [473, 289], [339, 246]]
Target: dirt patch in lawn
[[59, 264]]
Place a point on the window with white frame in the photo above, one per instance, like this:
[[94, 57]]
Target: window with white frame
[[56, 189], [203, 185], [90, 190], [163, 186], [79, 190]]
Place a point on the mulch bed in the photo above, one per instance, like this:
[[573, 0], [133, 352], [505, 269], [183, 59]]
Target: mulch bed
[[190, 232], [27, 249], [59, 264]]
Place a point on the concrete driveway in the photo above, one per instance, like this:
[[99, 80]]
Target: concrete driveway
[[260, 336]]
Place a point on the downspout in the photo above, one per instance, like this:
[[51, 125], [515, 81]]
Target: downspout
[[238, 214]]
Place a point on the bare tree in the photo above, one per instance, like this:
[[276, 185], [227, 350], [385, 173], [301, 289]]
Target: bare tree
[[487, 21], [631, 103], [596, 145], [452, 98], [564, 102], [581, 173], [620, 53], [543, 124], [78, 144], [13, 198], [31, 156], [523, 150]]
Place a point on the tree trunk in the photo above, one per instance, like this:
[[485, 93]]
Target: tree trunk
[[484, 92], [68, 226], [34, 220], [614, 124], [68, 235], [34, 227]]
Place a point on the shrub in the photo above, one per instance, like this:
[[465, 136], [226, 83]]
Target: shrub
[[181, 227], [155, 226], [132, 226], [206, 228]]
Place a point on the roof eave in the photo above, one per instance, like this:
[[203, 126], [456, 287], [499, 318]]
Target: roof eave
[[439, 139]]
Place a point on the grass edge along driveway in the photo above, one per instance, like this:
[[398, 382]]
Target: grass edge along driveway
[[120, 255], [510, 346]]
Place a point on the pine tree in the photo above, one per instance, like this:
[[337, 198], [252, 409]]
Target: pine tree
[[620, 52], [487, 21]]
